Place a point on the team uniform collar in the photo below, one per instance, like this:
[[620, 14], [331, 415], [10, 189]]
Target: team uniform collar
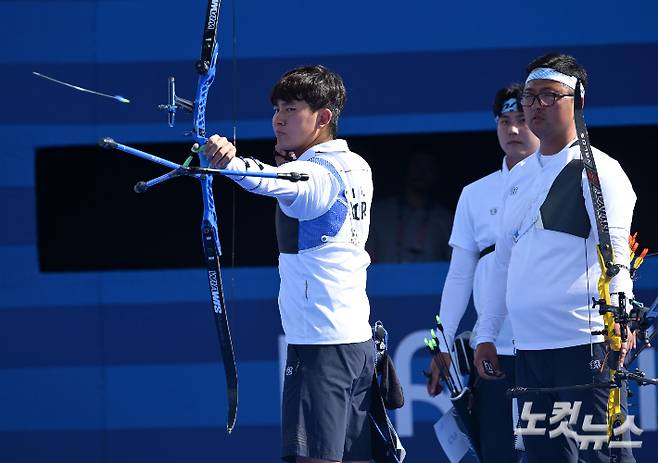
[[566, 154], [505, 169], [330, 146]]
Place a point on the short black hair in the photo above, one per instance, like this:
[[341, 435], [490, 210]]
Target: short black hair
[[566, 64], [317, 86], [511, 91]]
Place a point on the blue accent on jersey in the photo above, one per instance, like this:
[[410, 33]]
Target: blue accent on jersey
[[313, 233]]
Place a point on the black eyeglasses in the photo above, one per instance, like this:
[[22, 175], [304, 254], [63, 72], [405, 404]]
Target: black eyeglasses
[[544, 98]]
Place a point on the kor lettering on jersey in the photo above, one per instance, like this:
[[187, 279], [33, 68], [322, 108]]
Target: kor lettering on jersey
[[359, 208]]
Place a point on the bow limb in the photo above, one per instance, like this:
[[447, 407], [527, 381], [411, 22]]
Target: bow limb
[[606, 262], [615, 416]]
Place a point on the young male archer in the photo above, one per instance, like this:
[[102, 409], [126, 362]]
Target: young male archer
[[322, 225]]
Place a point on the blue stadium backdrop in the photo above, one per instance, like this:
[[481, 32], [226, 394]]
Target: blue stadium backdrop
[[123, 366]]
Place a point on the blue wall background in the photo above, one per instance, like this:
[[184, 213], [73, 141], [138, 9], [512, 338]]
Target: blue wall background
[[123, 366]]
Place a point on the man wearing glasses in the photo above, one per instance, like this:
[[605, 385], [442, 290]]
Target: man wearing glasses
[[547, 268]]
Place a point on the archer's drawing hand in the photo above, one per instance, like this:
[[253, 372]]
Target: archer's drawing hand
[[219, 151], [282, 156]]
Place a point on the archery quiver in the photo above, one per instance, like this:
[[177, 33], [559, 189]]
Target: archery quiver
[[387, 394]]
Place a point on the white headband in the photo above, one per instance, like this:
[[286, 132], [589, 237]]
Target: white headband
[[557, 76]]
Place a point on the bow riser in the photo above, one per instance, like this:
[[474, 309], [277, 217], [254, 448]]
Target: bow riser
[[199, 131]]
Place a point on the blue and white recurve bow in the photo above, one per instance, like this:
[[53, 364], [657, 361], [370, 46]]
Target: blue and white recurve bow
[[205, 67]]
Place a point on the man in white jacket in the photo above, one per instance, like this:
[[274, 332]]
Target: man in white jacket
[[322, 226], [546, 265]]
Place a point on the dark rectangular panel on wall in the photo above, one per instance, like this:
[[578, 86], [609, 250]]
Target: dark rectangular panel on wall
[[89, 218]]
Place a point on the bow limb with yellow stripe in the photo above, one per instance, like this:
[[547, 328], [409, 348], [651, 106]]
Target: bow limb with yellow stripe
[[612, 316]]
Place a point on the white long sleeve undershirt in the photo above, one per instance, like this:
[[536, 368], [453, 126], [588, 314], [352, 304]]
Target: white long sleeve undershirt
[[457, 289]]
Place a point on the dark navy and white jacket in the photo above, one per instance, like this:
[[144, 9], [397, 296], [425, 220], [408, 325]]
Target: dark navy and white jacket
[[546, 258], [322, 225]]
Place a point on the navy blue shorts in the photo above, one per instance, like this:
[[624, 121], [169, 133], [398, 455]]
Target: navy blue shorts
[[326, 399], [565, 367]]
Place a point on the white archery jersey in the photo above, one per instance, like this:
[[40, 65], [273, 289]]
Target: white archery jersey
[[322, 296], [545, 278], [475, 229]]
